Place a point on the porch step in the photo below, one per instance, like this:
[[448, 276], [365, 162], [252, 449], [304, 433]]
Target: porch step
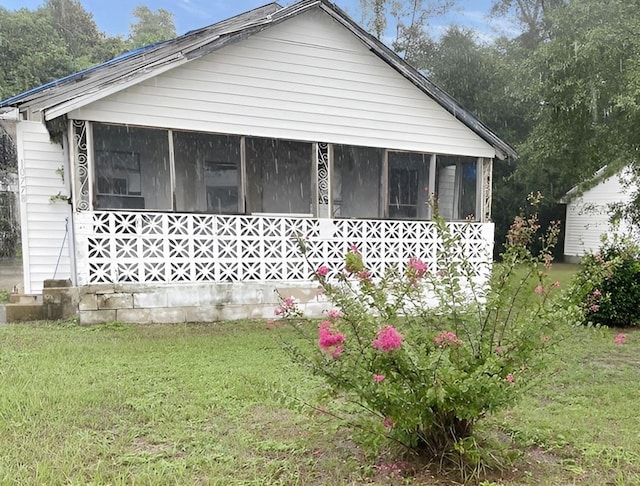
[[25, 299], [22, 312], [57, 301]]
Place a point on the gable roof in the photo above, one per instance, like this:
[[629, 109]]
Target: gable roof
[[61, 96], [601, 175]]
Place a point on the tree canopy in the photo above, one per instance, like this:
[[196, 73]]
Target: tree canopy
[[151, 27]]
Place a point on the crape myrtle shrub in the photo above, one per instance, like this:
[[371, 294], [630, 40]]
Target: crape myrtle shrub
[[607, 286], [421, 373]]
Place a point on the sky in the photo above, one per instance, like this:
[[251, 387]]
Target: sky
[[114, 16]]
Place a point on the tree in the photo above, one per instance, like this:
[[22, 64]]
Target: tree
[[31, 51], [74, 25], [532, 15], [411, 19], [151, 26], [588, 95]]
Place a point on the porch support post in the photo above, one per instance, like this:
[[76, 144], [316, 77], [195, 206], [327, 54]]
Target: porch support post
[[172, 169], [384, 186], [485, 182], [323, 180], [432, 186], [242, 183], [79, 142]]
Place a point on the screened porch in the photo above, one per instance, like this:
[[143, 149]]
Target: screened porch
[[162, 205]]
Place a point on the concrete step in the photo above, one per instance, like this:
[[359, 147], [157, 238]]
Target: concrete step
[[25, 299], [22, 312]]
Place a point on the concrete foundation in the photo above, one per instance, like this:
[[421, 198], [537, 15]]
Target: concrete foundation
[[143, 303]]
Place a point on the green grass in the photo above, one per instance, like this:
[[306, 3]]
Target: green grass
[[221, 404], [172, 404], [563, 273], [581, 423]]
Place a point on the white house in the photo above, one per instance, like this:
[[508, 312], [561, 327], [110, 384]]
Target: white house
[[589, 211], [191, 166]]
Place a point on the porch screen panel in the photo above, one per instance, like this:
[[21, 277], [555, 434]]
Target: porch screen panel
[[356, 181], [408, 185], [207, 172], [278, 176], [132, 168], [456, 187]]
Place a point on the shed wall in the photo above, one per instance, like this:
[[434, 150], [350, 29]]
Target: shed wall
[[305, 79], [588, 217]]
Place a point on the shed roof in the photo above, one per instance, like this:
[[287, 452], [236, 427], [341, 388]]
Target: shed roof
[[63, 95]]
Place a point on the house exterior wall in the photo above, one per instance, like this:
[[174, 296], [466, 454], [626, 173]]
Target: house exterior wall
[[305, 79], [588, 215], [44, 223]]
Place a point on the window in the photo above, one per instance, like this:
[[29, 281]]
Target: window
[[408, 185], [278, 176], [123, 174], [207, 172], [456, 187], [221, 182], [131, 168], [356, 181]]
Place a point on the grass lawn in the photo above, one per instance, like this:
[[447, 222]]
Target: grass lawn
[[222, 404]]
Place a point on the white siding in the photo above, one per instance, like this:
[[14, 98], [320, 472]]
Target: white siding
[[588, 216], [44, 238], [446, 193], [305, 79]]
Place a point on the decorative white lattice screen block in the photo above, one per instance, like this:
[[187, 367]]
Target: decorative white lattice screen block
[[123, 247]]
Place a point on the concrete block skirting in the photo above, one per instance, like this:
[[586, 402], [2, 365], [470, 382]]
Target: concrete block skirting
[[205, 302]]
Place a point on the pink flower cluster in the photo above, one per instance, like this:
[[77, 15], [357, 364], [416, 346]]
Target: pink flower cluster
[[593, 300], [447, 338], [417, 267], [388, 340], [322, 271], [288, 305], [378, 378], [364, 276], [334, 314], [510, 378], [539, 289], [620, 339], [331, 342]]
